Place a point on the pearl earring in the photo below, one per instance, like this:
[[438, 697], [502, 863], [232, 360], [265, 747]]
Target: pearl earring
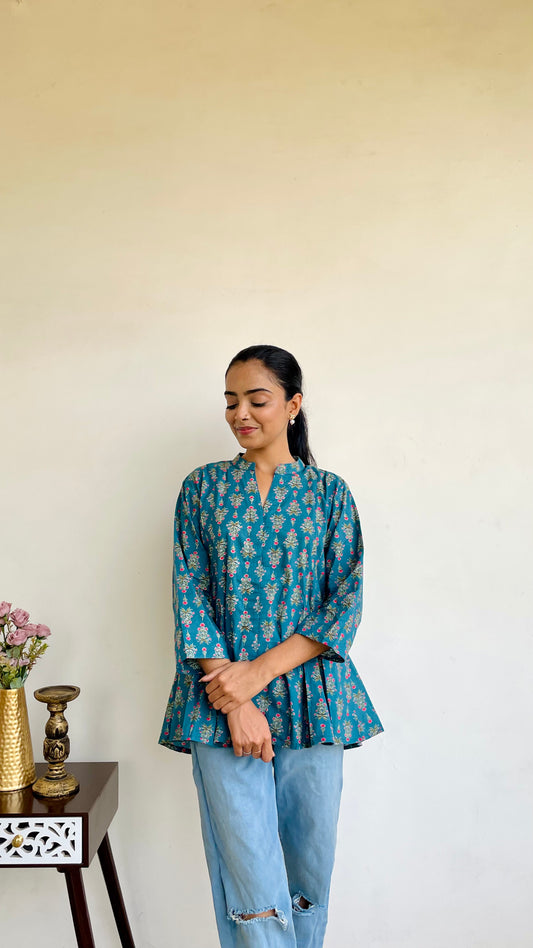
[[291, 420]]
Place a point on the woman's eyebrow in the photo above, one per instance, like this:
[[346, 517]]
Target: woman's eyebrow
[[250, 391]]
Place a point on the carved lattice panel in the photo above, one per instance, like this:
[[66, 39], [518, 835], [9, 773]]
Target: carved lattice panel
[[47, 841]]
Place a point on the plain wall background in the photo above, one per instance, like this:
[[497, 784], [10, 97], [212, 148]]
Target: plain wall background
[[351, 181]]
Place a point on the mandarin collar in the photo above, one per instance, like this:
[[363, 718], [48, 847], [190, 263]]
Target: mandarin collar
[[289, 467]]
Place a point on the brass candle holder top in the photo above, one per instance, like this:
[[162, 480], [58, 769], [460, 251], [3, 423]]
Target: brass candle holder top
[[57, 694], [56, 748]]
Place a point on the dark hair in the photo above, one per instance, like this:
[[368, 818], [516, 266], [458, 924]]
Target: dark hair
[[288, 373]]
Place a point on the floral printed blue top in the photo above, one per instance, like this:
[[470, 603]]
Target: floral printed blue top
[[247, 576]]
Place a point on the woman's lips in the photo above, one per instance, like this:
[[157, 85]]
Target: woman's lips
[[245, 431]]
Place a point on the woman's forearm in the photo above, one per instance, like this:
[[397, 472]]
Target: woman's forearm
[[230, 686], [282, 658], [276, 661], [212, 664]]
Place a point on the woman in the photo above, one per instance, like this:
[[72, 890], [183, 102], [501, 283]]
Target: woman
[[267, 598]]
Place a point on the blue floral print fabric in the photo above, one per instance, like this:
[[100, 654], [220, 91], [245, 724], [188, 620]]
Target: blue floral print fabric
[[247, 576]]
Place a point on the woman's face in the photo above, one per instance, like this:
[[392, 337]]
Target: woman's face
[[256, 409]]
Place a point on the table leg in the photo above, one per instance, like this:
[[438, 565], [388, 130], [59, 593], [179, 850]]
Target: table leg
[[115, 895], [78, 906]]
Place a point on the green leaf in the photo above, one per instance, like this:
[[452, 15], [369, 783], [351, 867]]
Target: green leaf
[[16, 683]]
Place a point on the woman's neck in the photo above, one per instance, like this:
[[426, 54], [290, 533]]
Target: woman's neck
[[267, 460]]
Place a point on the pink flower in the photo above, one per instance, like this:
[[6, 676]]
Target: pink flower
[[30, 629], [42, 631], [4, 608], [18, 637], [19, 617]]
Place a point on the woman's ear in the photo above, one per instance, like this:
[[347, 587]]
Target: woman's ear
[[295, 403]]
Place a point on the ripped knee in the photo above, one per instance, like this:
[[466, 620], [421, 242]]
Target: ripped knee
[[300, 903], [262, 915], [267, 914]]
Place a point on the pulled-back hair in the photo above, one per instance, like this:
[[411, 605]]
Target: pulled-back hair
[[284, 367]]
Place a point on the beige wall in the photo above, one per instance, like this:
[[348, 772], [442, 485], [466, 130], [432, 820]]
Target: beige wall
[[352, 181]]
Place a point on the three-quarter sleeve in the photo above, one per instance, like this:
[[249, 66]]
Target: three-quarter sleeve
[[335, 621], [196, 635]]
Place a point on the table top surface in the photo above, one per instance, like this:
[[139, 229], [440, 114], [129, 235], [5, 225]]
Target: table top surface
[[94, 778]]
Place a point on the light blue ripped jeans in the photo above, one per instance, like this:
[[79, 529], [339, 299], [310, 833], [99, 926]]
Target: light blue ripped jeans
[[269, 833]]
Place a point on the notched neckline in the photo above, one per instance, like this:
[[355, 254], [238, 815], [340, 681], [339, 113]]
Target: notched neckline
[[297, 465]]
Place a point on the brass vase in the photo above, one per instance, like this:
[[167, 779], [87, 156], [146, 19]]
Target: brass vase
[[17, 768]]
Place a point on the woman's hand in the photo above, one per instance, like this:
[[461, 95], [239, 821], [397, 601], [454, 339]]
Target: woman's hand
[[236, 683], [250, 733]]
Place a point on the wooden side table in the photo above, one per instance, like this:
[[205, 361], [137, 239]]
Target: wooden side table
[[65, 834]]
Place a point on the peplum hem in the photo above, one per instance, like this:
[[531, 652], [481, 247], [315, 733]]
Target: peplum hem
[[333, 709]]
